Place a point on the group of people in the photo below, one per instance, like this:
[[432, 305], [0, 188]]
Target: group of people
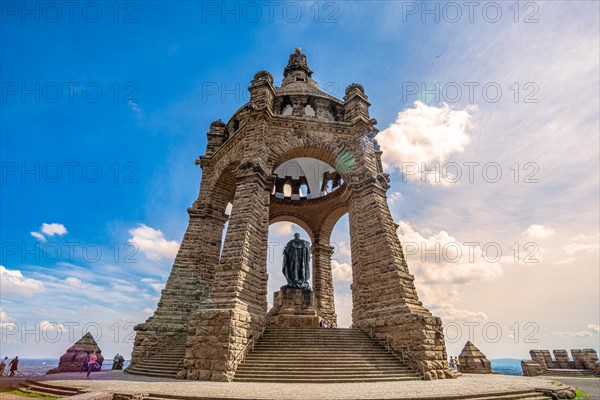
[[13, 366], [454, 363], [325, 324]]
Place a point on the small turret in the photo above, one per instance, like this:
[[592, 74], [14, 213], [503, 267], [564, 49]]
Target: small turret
[[215, 136]]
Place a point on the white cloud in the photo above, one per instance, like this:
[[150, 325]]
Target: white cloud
[[594, 327], [425, 134], [154, 284], [394, 197], [580, 244], [341, 272], [571, 335], [152, 243], [74, 282], [283, 228], [148, 310], [48, 326], [450, 261], [5, 319], [440, 277], [54, 229], [38, 236], [538, 231], [49, 230], [13, 282]]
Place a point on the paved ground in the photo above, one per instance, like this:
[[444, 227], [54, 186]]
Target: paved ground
[[116, 381], [591, 386]]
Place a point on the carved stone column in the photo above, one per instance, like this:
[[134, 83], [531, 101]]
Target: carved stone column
[[220, 329], [323, 280]]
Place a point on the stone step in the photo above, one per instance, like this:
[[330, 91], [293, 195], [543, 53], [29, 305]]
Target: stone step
[[333, 379], [167, 374], [42, 389], [511, 394], [172, 368], [320, 356], [569, 372]]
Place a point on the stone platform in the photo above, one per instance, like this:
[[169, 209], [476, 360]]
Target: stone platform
[[294, 308], [482, 386]]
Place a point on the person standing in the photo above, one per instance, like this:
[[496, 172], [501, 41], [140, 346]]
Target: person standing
[[85, 362], [3, 365], [457, 364], [452, 363], [91, 363], [14, 365], [116, 361]]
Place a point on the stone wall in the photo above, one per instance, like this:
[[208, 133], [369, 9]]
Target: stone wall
[[541, 361]]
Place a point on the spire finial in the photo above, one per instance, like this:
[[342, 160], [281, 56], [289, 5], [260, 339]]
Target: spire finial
[[298, 49]]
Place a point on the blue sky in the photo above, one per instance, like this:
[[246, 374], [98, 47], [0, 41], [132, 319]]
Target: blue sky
[[166, 70]]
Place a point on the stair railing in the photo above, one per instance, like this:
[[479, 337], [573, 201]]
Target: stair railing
[[404, 352], [249, 346]]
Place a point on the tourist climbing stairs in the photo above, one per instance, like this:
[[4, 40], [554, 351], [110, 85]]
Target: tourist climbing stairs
[[166, 363], [320, 356], [39, 389]]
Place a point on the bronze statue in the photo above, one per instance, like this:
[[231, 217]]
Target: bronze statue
[[296, 263]]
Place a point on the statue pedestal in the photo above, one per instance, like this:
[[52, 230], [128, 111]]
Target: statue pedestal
[[293, 308]]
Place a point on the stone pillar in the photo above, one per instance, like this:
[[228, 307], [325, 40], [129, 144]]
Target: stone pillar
[[383, 292], [323, 280], [188, 283], [219, 331]]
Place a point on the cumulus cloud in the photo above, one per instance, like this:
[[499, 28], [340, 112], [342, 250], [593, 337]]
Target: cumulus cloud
[[571, 335], [152, 243], [52, 229], [425, 134], [538, 231], [13, 282], [148, 310], [284, 228], [580, 244], [341, 271], [5, 319], [450, 261], [74, 282], [594, 327], [38, 236], [442, 265]]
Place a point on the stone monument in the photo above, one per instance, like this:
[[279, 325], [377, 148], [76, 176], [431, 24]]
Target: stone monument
[[215, 300], [473, 361], [295, 306], [73, 359]]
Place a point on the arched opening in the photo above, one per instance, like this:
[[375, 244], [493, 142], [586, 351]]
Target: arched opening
[[305, 178], [309, 111], [280, 233]]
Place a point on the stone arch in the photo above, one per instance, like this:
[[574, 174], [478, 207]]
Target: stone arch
[[329, 222], [295, 219], [329, 152]]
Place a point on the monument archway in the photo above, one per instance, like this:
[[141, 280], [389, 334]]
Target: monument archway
[[214, 304]]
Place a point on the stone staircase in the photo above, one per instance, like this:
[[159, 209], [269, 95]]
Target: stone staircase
[[33, 388], [166, 363], [504, 395], [570, 373], [320, 356]]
